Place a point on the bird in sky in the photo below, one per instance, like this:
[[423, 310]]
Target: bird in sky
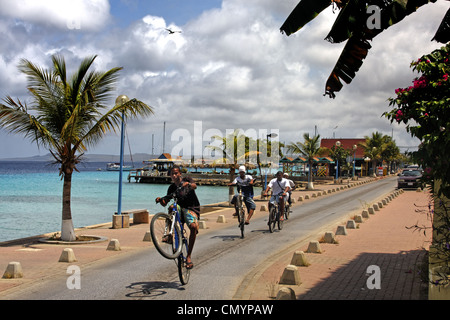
[[172, 32]]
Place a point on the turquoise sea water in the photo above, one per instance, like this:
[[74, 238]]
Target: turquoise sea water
[[31, 196]]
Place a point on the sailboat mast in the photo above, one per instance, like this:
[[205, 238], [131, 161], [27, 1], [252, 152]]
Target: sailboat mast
[[164, 137]]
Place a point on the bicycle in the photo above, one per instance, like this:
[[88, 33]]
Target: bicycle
[[169, 237], [275, 215], [241, 210]]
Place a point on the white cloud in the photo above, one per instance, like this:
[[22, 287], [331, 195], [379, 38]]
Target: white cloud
[[63, 14], [232, 68]]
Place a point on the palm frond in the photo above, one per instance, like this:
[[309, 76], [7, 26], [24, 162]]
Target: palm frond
[[16, 119], [112, 120]]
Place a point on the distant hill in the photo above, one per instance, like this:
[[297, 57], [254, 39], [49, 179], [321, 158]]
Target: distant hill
[[137, 158]]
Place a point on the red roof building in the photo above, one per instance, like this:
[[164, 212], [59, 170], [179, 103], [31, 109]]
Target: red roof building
[[347, 144]]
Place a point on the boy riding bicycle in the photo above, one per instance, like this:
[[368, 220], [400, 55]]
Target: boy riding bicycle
[[245, 182], [188, 206], [280, 188]]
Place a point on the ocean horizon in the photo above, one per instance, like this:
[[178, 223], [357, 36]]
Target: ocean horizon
[[31, 197]]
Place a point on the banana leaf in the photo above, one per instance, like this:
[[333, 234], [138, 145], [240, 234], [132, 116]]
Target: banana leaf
[[349, 19], [443, 33], [354, 16], [347, 65], [303, 13], [356, 49]]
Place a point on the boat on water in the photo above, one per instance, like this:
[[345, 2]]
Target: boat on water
[[114, 166]]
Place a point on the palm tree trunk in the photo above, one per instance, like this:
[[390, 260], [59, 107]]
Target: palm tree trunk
[[67, 229]]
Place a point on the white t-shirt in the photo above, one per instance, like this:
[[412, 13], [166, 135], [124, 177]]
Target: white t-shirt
[[245, 181], [247, 189], [278, 186]]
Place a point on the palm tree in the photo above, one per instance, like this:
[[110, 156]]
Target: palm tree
[[352, 25], [65, 116], [310, 148], [374, 147], [235, 148], [391, 152]]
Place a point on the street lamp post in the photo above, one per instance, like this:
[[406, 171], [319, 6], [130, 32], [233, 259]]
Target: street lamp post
[[120, 101], [338, 144], [270, 135]]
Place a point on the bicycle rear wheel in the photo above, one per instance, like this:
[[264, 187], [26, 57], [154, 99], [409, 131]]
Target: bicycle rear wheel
[[272, 219], [167, 243], [183, 272], [287, 210]]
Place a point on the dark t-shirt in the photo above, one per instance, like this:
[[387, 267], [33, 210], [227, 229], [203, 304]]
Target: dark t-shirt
[[187, 198]]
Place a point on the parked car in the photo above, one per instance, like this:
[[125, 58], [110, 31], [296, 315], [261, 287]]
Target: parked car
[[409, 178]]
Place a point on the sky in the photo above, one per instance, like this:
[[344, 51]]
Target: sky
[[228, 68]]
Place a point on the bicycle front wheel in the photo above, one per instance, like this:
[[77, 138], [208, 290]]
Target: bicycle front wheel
[[272, 219], [166, 241], [242, 221], [183, 272], [280, 220]]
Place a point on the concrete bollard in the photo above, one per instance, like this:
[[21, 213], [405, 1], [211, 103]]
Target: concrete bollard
[[113, 245], [300, 198], [67, 256], [147, 236], [375, 207], [365, 214], [371, 210], [263, 207], [286, 293], [358, 218], [380, 204], [314, 247], [341, 231], [306, 196], [329, 237], [221, 219], [290, 276], [13, 271], [299, 259], [351, 224], [202, 224]]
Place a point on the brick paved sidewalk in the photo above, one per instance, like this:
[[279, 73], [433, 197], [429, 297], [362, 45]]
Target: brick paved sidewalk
[[341, 270]]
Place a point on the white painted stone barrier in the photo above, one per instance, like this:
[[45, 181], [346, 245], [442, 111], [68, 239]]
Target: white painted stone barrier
[[341, 231], [113, 245], [221, 219], [13, 271], [314, 247], [290, 276], [67, 256], [299, 259], [286, 293]]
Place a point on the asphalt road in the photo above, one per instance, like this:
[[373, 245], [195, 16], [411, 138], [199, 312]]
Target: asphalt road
[[224, 263]]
